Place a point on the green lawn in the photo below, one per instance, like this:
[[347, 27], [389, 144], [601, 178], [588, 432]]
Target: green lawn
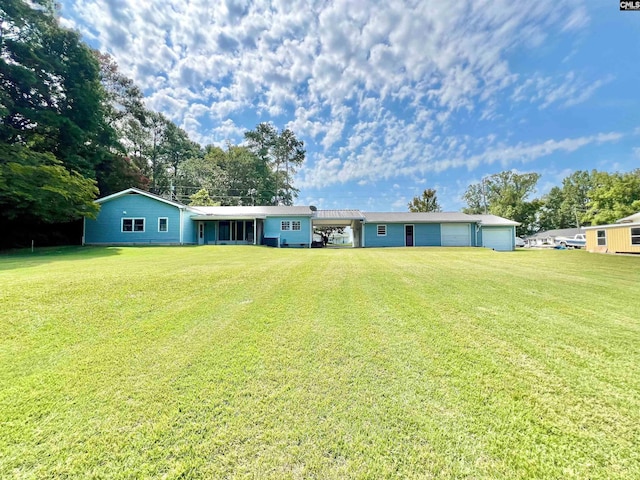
[[246, 362]]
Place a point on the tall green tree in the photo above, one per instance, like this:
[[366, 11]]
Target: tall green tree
[[284, 154], [177, 148], [507, 195], [613, 196], [426, 202], [124, 112], [565, 206], [235, 176], [476, 199], [51, 114]]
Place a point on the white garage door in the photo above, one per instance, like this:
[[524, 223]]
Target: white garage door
[[456, 235], [498, 238]]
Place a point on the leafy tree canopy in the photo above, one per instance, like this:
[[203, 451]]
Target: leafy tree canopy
[[426, 202]]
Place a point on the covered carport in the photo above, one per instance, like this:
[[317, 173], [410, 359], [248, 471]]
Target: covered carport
[[352, 219]]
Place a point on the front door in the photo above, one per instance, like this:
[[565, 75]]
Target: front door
[[200, 233], [408, 235]]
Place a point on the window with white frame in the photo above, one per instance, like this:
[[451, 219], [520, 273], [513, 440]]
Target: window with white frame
[[163, 224], [382, 230], [133, 224], [635, 236], [296, 225], [285, 225], [602, 237]]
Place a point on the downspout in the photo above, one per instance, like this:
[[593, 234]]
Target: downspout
[[181, 224]]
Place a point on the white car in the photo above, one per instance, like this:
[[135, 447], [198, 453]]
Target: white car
[[519, 242]]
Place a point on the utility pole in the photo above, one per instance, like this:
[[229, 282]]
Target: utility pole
[[484, 196]]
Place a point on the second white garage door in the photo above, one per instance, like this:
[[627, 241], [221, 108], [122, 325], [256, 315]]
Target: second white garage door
[[498, 238], [456, 234]]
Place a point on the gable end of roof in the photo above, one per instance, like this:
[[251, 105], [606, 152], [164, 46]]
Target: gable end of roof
[[137, 191]]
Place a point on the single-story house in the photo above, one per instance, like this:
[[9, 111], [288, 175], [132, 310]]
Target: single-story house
[[136, 217], [547, 238], [620, 237]]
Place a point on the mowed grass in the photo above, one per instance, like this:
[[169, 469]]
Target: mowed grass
[[248, 362]]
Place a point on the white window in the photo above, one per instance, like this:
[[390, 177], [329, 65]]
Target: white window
[[382, 230], [635, 236], [285, 225], [602, 237], [163, 224], [296, 225], [133, 224]]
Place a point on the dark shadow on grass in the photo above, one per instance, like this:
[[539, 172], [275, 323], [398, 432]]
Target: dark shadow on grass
[[24, 257]]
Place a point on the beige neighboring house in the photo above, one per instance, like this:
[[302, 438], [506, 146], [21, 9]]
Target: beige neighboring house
[[620, 237]]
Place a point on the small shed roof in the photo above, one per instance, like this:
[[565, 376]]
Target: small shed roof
[[635, 218]]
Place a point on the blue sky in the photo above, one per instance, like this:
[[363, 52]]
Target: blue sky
[[390, 97]]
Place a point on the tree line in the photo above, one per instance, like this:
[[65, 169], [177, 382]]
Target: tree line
[[584, 198], [73, 127]]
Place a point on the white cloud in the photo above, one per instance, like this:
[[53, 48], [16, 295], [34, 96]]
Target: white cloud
[[378, 90], [373, 164]]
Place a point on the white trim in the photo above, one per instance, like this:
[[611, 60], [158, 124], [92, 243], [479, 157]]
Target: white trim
[[141, 192], [605, 237], [631, 235], [378, 229], [299, 229], [363, 225], [167, 223], [468, 233], [499, 230], [282, 224], [613, 225], [133, 224], [405, 234], [181, 227], [201, 239]]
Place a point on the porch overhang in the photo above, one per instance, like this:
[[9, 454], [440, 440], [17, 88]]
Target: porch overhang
[[204, 218]]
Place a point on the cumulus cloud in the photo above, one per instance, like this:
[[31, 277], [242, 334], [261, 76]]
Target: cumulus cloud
[[374, 91]]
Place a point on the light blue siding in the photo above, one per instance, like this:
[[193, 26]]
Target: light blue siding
[[425, 235], [393, 238], [189, 228], [210, 232], [107, 228], [272, 228]]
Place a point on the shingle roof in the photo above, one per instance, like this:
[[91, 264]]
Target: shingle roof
[[137, 191], [489, 220], [244, 211], [339, 214], [630, 219], [426, 217], [561, 232]]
